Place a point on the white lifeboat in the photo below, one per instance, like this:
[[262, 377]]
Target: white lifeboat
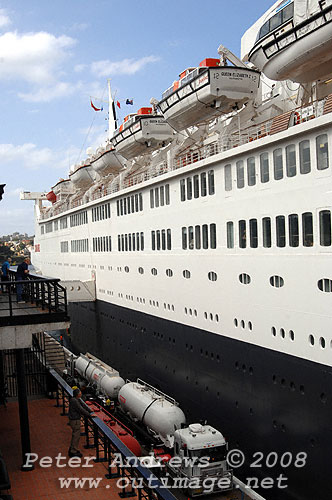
[[107, 161], [294, 41], [141, 134], [62, 188], [207, 91], [83, 175]]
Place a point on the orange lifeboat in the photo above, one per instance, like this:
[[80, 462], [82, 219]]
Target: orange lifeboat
[[51, 196]]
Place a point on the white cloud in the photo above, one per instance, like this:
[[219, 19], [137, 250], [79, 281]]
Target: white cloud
[[80, 67], [4, 19], [47, 94], [124, 67], [33, 57]]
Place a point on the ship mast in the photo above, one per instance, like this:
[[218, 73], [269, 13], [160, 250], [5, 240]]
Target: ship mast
[[112, 120]]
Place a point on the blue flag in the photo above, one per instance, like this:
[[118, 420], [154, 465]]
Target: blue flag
[[130, 101]]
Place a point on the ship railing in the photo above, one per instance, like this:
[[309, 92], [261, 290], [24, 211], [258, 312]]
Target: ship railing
[[224, 143], [136, 479], [42, 300]]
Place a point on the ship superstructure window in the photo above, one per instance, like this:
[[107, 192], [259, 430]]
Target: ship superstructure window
[[253, 233], [277, 20], [322, 152], [305, 163], [239, 174], [251, 171], [307, 229], [281, 231], [264, 167], [131, 242], [290, 160], [130, 204], [101, 212], [278, 164], [242, 234], [63, 223], [325, 285], [102, 244], [161, 239], [56, 225], [228, 177], [276, 281], [230, 234], [79, 218], [245, 279], [197, 237], [79, 245], [266, 226], [64, 248], [159, 196], [48, 227], [198, 185], [293, 227], [325, 228], [42, 229], [212, 276]]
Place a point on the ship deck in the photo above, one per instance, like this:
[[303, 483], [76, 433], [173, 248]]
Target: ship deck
[[50, 435]]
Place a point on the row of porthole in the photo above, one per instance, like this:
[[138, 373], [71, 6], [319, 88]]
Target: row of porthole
[[242, 323], [322, 341], [282, 333], [244, 368], [169, 306], [283, 383]]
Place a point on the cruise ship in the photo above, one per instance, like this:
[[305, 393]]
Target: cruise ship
[[201, 237]]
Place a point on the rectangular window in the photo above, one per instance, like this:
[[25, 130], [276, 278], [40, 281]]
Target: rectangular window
[[266, 226], [137, 241], [293, 230], [211, 182], [125, 206], [140, 197], [251, 171], [213, 236], [136, 202], [129, 242], [325, 228], [196, 186], [163, 239], [281, 231], [290, 160], [242, 234], [264, 167], [142, 241], [156, 197], [183, 189], [230, 234], [197, 237], [253, 233], [307, 229], [122, 242], [162, 196], [169, 239], [184, 238], [305, 164], [203, 184], [189, 189], [158, 240], [228, 177], [151, 199], [132, 201], [133, 237], [42, 230], [205, 236], [117, 207], [167, 197], [322, 152], [110, 243], [191, 237], [56, 225], [277, 164], [239, 174], [153, 240], [119, 243], [121, 207]]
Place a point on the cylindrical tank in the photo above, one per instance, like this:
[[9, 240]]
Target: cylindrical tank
[[111, 384], [81, 364], [159, 413], [105, 379]]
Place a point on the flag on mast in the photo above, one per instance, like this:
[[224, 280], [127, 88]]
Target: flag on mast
[[130, 101], [118, 104], [94, 107]]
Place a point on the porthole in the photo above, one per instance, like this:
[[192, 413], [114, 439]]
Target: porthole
[[126, 269], [205, 315], [211, 317], [154, 271], [282, 333], [141, 270], [235, 322], [169, 273], [244, 279], [274, 331], [250, 326], [217, 318], [291, 335], [212, 276], [277, 281], [322, 342], [325, 285], [186, 274], [312, 339], [243, 324]]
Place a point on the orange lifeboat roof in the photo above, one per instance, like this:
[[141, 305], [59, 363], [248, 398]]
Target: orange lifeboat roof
[[185, 72], [144, 111], [209, 63]]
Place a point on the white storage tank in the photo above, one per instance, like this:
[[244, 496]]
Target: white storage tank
[[157, 411], [106, 380]]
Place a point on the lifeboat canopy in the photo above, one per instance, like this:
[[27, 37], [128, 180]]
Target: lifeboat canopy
[[83, 175], [292, 41], [107, 161]]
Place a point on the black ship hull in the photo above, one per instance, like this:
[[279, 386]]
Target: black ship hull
[[261, 400]]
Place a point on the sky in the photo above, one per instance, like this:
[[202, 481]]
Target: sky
[[57, 55]]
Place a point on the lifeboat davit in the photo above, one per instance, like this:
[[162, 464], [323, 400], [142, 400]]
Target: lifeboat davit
[[294, 41], [207, 91], [107, 161], [83, 175], [141, 134], [62, 188], [51, 196]]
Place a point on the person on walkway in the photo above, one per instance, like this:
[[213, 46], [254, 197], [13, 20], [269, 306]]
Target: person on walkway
[[77, 409], [4, 272], [21, 275]]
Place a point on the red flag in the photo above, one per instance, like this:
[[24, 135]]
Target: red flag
[[118, 104], [94, 107]]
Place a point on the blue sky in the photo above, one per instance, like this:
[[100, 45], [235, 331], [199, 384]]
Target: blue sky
[[55, 54]]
